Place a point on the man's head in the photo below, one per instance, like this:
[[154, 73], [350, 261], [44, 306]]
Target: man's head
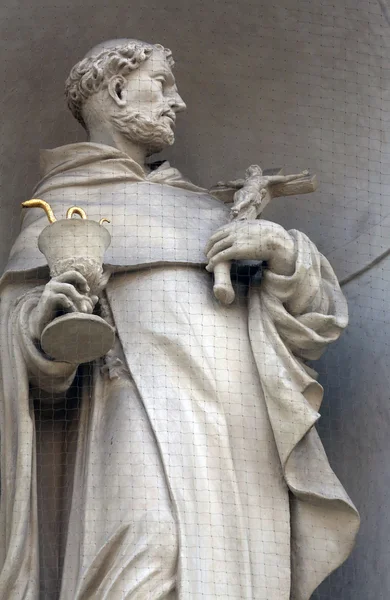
[[127, 85]]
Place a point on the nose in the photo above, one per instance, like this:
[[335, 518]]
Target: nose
[[177, 103]]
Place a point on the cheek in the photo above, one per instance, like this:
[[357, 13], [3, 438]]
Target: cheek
[[148, 98]]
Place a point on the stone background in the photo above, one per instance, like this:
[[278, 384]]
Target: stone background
[[297, 83]]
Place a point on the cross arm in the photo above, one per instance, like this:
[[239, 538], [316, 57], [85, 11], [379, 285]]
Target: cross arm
[[304, 185]]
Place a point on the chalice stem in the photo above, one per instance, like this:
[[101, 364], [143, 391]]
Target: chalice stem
[[223, 289]]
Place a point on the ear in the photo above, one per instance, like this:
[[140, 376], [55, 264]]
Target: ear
[[117, 89]]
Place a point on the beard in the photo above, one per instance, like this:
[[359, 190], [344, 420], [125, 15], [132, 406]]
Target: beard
[[151, 133]]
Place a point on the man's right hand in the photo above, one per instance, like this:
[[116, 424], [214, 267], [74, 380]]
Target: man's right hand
[[66, 293]]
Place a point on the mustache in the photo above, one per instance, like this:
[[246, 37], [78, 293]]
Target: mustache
[[137, 117], [168, 113]]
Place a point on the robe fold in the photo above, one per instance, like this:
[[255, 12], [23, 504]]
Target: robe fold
[[214, 407]]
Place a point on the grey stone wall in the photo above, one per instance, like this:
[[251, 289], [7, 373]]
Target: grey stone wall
[[297, 83]]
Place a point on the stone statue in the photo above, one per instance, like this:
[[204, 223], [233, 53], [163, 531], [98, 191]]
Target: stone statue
[[184, 464]]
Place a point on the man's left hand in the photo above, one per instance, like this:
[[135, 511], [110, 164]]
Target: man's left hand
[[253, 240]]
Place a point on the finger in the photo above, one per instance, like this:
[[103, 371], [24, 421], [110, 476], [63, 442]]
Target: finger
[[86, 307], [224, 256], [218, 246], [61, 301], [70, 291], [218, 235], [75, 278]]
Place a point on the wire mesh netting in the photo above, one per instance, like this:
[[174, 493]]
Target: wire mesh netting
[[173, 298]]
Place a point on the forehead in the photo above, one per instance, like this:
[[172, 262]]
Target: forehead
[[157, 63]]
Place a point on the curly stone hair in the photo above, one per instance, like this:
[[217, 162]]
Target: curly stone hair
[[92, 74]]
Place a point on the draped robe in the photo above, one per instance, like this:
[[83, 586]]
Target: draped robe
[[199, 473]]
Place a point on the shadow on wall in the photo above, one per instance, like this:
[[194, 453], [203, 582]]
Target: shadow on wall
[[355, 430]]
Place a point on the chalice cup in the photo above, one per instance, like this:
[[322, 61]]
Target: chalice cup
[[77, 245]]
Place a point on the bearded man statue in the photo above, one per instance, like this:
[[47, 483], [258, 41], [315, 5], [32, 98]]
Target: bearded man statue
[[185, 463]]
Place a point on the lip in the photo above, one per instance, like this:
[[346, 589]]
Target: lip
[[170, 116]]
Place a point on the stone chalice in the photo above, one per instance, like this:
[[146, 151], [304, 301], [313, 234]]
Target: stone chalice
[[75, 244]]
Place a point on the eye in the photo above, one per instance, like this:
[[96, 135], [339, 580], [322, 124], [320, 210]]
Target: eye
[[161, 80]]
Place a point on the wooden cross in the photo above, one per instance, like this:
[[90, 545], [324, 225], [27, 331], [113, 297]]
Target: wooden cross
[[304, 185]]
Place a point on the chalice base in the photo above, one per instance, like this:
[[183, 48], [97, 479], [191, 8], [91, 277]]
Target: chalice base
[[77, 338]]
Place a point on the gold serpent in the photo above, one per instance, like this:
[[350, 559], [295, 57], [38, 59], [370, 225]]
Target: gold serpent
[[37, 203], [73, 210]]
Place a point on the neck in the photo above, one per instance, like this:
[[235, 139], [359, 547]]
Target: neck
[[115, 139]]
